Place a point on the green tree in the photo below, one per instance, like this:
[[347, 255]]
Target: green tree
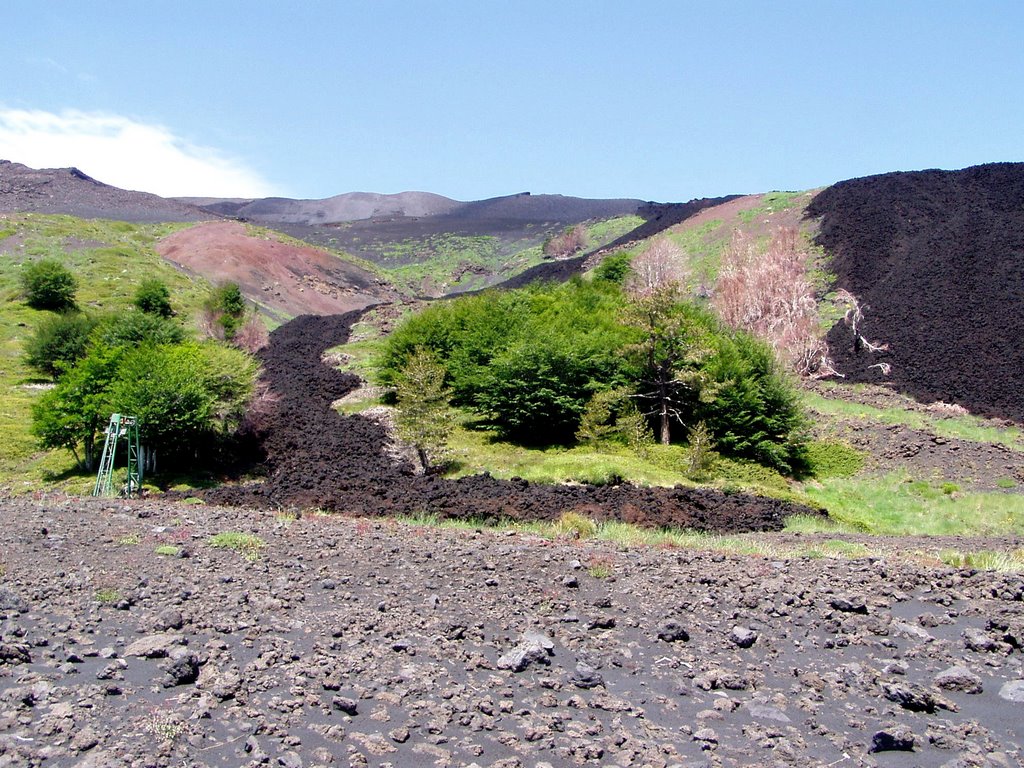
[[58, 342], [424, 415], [756, 410], [78, 408], [153, 298], [48, 284], [668, 360]]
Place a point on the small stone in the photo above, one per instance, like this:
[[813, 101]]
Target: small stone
[[290, 759], [345, 704], [852, 604], [399, 735], [743, 637], [976, 640], [570, 582], [586, 677], [154, 646], [911, 696], [892, 740], [533, 648], [168, 619], [958, 678], [85, 739], [182, 669], [671, 631], [765, 712]]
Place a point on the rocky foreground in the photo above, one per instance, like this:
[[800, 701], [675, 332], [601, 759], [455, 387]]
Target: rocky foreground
[[127, 639]]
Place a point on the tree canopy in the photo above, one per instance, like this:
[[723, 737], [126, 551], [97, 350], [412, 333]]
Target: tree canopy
[[529, 361]]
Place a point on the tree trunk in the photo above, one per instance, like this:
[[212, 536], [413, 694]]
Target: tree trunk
[[90, 455], [666, 426]]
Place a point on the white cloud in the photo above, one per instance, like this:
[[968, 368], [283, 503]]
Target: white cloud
[[126, 153]]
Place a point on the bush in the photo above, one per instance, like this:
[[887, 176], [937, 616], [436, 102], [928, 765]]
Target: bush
[[153, 298], [614, 268], [134, 328], [48, 284], [59, 342], [568, 243], [755, 412], [225, 311]]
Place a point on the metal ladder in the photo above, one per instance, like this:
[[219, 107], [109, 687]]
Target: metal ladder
[[127, 427]]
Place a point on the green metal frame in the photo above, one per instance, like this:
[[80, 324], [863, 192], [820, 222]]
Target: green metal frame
[[126, 427]]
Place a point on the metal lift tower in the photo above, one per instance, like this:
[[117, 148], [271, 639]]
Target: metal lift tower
[[126, 427]]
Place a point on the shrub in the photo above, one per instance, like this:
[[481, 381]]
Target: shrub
[[700, 452], [224, 311], [59, 342], [48, 284], [153, 298], [424, 417], [771, 296], [614, 268], [569, 242], [134, 328]]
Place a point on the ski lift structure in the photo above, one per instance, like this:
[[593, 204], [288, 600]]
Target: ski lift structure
[[121, 428]]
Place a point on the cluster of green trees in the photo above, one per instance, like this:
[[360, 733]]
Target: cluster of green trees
[[591, 360], [189, 397]]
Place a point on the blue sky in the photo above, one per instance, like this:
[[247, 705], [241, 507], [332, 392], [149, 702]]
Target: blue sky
[[655, 100]]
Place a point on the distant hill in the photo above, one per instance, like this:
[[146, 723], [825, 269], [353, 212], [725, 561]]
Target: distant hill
[[351, 206], [70, 191]]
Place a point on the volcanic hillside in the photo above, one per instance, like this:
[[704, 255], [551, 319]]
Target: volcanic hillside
[[284, 278], [69, 191], [938, 258]]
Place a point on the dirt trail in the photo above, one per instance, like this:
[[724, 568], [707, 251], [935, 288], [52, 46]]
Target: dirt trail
[[317, 458]]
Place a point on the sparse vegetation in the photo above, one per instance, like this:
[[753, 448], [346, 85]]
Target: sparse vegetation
[[246, 544]]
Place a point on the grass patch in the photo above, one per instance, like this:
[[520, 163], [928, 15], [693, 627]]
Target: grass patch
[[833, 458], [895, 505], [107, 596], [246, 544], [984, 560], [771, 203], [167, 550], [971, 428]]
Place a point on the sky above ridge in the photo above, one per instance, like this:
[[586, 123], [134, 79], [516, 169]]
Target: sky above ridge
[[657, 100]]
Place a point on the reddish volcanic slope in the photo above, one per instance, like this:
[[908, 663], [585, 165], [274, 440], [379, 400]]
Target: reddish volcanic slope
[[938, 256], [285, 279]]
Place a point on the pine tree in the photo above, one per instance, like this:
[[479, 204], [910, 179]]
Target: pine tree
[[424, 415]]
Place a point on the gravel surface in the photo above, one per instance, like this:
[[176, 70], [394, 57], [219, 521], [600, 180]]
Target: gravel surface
[[359, 642]]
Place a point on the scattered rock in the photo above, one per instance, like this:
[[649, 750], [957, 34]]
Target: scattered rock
[[892, 740], [959, 679], [1013, 690], [671, 631], [743, 637]]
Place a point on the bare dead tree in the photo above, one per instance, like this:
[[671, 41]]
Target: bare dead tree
[[661, 265]]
